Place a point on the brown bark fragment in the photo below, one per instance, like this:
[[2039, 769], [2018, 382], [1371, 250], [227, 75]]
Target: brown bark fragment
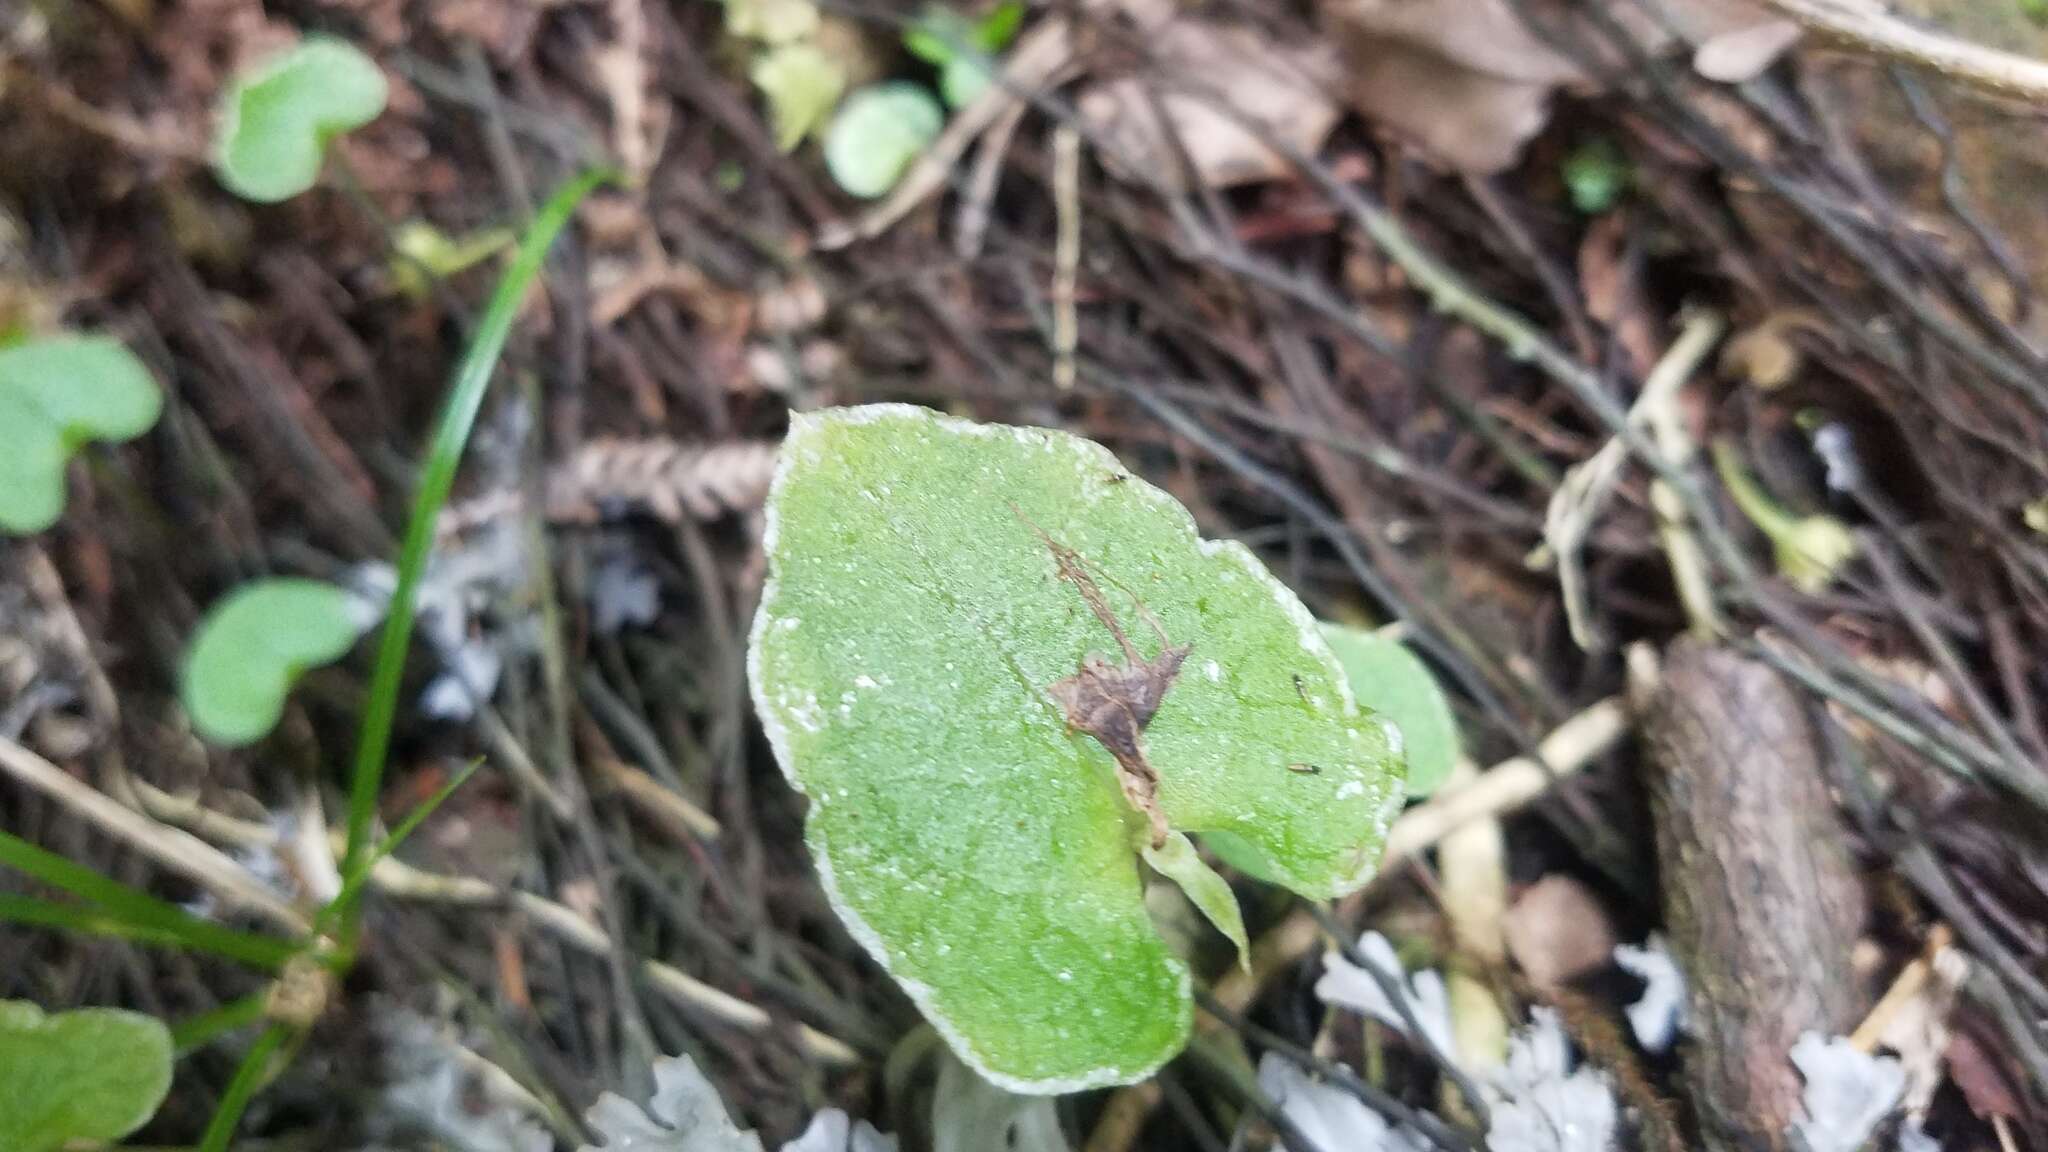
[[1762, 901]]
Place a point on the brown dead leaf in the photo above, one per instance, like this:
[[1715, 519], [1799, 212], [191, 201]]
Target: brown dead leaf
[[1271, 84], [214, 39], [502, 28], [1614, 290], [1765, 354], [620, 65], [1918, 1031], [1999, 149], [1742, 54], [1558, 931], [1986, 1083], [1470, 83]]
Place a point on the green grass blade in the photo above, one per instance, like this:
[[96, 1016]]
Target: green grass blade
[[138, 915], [84, 883], [248, 1078], [472, 379], [196, 1032], [353, 885], [263, 952]]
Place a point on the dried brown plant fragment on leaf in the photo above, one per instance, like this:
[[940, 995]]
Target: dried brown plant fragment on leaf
[[1114, 701]]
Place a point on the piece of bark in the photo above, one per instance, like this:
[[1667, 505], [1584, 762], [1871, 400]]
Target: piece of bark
[[1761, 899]]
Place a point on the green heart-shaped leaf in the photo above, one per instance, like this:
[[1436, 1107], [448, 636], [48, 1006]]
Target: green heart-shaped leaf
[[55, 395], [276, 119], [923, 603], [255, 644], [876, 134], [95, 1074], [1392, 681]]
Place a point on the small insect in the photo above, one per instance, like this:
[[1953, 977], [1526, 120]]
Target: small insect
[[1306, 769], [1301, 689]]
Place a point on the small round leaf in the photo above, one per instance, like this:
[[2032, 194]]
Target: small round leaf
[[93, 1075], [876, 135], [55, 395], [276, 119], [1389, 679], [255, 644]]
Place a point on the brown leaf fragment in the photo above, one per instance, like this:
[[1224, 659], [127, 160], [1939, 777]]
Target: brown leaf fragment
[[1558, 931], [1277, 86], [1469, 82], [1114, 701]]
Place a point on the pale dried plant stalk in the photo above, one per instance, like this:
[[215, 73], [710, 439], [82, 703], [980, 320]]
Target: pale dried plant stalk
[[663, 478], [667, 479]]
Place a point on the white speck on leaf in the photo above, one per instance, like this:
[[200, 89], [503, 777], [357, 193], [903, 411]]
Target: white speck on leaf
[[1396, 743]]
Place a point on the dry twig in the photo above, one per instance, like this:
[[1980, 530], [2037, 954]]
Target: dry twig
[[1868, 26], [177, 850]]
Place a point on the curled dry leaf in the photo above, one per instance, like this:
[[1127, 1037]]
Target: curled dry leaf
[[1470, 83], [1277, 86]]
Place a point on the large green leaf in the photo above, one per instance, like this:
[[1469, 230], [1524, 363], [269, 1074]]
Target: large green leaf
[[915, 621], [96, 1074]]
